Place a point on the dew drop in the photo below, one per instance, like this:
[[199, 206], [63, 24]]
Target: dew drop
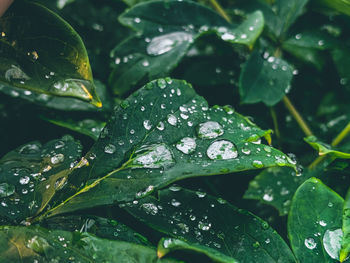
[[257, 164], [147, 124], [210, 130], [186, 145], [222, 150], [172, 120], [110, 148], [165, 43], [58, 158], [332, 242], [310, 243]]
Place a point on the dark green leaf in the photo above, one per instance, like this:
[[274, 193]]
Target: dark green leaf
[[264, 79], [276, 187], [150, 143], [30, 174], [324, 149], [36, 244], [98, 226], [211, 226], [342, 63], [40, 52], [314, 223], [166, 32], [345, 246], [342, 6]]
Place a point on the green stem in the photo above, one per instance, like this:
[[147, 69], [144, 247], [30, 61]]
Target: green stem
[[220, 10], [275, 122], [297, 116], [338, 139]]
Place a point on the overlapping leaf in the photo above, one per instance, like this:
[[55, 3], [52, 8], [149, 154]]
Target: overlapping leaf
[[211, 226], [40, 52], [325, 149], [36, 244], [150, 143], [345, 246], [30, 175], [314, 223], [166, 30]]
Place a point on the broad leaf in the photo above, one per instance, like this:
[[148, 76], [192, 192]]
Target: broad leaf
[[30, 174], [211, 226], [163, 133], [342, 63], [36, 244], [264, 79], [165, 33], [325, 149], [89, 127], [59, 103], [342, 6], [98, 226], [40, 52], [276, 187], [288, 11], [314, 223], [345, 246]]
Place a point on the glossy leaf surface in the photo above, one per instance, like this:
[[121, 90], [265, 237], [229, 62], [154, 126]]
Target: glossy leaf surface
[[325, 149]]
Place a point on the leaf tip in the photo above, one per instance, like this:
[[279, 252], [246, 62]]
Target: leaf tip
[[343, 256]]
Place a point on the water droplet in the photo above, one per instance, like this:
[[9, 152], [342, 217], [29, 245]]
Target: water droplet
[[205, 226], [322, 223], [160, 126], [175, 203], [268, 197], [245, 151], [161, 83], [137, 20], [244, 36], [58, 158], [154, 156], [222, 150], [150, 208], [210, 130], [175, 188], [172, 120], [145, 63], [110, 148], [186, 145], [165, 43], [24, 180], [298, 36], [258, 164], [310, 243], [147, 124], [332, 242], [201, 194]]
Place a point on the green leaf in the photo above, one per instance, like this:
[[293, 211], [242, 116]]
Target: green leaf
[[311, 39], [264, 79], [276, 187], [340, 57], [98, 226], [288, 11], [210, 225], [30, 174], [89, 127], [41, 52], [325, 149], [342, 6], [314, 223], [60, 103], [150, 143], [166, 31], [36, 244], [345, 245]]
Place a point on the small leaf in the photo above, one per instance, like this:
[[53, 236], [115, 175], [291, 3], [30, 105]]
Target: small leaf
[[150, 143], [40, 52], [209, 225], [165, 34], [345, 245], [30, 174], [36, 244], [266, 80], [314, 223], [325, 149]]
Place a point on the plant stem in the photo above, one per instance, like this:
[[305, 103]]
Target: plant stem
[[338, 139], [275, 122], [220, 10], [297, 116]]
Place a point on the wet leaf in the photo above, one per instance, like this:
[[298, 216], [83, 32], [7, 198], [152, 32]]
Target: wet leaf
[[210, 225], [345, 246], [342, 6], [98, 226], [166, 31], [59, 103], [36, 244], [40, 52], [314, 223], [150, 143], [30, 174], [325, 149], [264, 80]]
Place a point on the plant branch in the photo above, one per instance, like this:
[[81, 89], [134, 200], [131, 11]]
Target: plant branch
[[220, 10], [275, 122], [297, 116]]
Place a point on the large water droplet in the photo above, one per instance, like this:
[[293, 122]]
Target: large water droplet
[[310, 243], [186, 145], [154, 156], [110, 148], [222, 150], [147, 124], [172, 120], [210, 130], [58, 158], [332, 242], [163, 44]]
